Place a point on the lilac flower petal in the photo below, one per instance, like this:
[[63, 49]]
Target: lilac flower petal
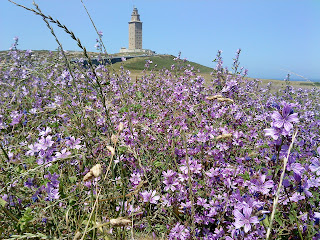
[[254, 219], [277, 116], [247, 211], [287, 126], [293, 118], [286, 110], [278, 123], [272, 133], [238, 224], [268, 184], [317, 214], [238, 214], [247, 227]]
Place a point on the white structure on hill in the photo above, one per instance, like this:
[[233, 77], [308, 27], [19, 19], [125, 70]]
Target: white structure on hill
[[135, 35]]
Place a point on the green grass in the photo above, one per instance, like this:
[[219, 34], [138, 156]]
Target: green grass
[[162, 61], [310, 84]]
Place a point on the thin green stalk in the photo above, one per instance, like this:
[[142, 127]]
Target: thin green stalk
[[9, 214], [62, 52], [295, 214], [85, 53], [5, 153], [55, 221], [104, 48], [193, 225]]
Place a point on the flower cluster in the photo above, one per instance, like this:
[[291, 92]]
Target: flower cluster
[[193, 158]]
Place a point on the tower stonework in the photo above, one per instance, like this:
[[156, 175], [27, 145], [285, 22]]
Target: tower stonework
[[135, 31]]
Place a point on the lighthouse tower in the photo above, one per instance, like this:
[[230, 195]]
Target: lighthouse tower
[[135, 36], [135, 31]]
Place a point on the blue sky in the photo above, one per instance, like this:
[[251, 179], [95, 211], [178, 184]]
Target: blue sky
[[275, 36]]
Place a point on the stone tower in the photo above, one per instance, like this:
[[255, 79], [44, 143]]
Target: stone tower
[[135, 31]]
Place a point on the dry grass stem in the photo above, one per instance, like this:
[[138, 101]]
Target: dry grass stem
[[214, 97], [276, 199], [227, 100], [224, 136], [120, 222]]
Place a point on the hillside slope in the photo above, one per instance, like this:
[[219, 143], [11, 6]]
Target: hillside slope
[[160, 61]]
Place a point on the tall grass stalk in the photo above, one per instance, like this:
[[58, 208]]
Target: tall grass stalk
[[84, 50], [276, 199]]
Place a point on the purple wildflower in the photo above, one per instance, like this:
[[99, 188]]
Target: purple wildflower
[[53, 193], [262, 185], [45, 143], [275, 133], [73, 143], [135, 178], [313, 182], [244, 219], [297, 168], [297, 197], [16, 117], [45, 132], [150, 196], [315, 166], [180, 232], [285, 118], [169, 180], [29, 183], [53, 179], [201, 137], [33, 149], [317, 215], [63, 153]]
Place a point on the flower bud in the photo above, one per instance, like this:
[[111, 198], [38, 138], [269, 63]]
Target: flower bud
[[88, 176], [120, 222], [114, 139], [112, 150], [120, 127], [77, 235], [96, 170]]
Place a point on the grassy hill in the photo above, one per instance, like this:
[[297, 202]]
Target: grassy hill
[[137, 64], [162, 61]]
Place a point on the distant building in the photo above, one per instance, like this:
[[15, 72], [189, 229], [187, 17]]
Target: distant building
[[135, 31], [135, 35]]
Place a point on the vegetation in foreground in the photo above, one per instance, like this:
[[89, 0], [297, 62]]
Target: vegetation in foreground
[[90, 154]]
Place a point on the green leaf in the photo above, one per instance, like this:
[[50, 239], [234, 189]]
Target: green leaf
[[73, 179], [245, 176], [278, 219], [124, 109], [3, 203], [25, 219], [266, 221], [292, 218], [158, 164], [122, 149], [136, 107], [139, 95]]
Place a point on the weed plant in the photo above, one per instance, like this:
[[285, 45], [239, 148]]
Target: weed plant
[[88, 153]]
